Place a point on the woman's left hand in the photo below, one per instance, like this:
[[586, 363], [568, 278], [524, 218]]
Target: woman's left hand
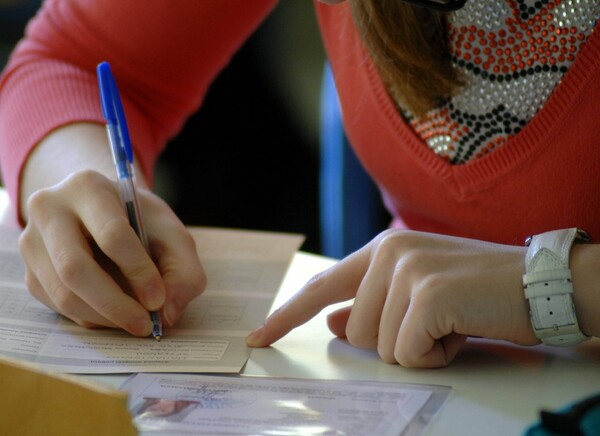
[[418, 296]]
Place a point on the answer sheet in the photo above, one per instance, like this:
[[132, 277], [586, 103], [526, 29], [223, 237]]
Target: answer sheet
[[244, 270], [205, 404]]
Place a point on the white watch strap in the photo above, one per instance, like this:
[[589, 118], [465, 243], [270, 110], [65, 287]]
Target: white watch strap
[[548, 288]]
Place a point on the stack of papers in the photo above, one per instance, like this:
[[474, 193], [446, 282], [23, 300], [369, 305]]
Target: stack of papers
[[244, 269]]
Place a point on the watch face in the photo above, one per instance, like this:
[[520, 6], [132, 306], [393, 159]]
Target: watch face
[[439, 5]]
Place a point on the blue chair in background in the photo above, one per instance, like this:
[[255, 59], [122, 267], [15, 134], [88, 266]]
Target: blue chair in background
[[351, 209]]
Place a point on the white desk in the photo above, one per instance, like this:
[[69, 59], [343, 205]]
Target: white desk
[[498, 388]]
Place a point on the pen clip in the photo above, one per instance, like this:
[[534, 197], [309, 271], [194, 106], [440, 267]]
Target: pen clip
[[112, 106]]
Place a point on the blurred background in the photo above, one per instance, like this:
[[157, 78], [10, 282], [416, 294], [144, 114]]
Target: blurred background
[[262, 172]]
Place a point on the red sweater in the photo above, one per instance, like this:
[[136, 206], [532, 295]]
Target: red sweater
[[544, 178]]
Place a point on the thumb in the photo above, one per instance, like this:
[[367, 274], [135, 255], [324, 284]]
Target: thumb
[[337, 320]]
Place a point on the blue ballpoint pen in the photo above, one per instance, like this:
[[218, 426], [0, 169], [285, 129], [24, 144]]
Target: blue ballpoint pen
[[118, 136]]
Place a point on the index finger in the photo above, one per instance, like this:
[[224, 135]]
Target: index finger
[[72, 259], [334, 285], [107, 223]]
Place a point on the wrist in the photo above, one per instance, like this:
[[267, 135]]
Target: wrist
[[586, 284], [549, 289], [66, 150]]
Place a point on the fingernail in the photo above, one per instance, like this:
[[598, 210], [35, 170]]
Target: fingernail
[[154, 298], [254, 337], [172, 312], [141, 326]]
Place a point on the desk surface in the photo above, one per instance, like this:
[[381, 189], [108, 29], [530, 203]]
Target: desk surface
[[498, 388]]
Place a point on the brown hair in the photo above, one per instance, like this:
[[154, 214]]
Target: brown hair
[[408, 45]]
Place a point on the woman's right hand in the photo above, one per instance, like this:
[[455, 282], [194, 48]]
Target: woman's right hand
[[85, 261]]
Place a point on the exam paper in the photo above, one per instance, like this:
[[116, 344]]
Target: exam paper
[[244, 271], [202, 404]]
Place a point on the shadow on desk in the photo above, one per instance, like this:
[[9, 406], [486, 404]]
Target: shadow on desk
[[481, 355], [492, 374]]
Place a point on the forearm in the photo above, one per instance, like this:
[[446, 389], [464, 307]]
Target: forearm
[[585, 262], [74, 147], [50, 79]]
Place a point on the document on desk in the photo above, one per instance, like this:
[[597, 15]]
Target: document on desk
[[244, 271], [205, 404]]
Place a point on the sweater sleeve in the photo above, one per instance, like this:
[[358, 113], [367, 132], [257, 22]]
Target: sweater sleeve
[[164, 55]]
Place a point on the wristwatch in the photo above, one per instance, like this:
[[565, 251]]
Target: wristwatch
[[548, 286]]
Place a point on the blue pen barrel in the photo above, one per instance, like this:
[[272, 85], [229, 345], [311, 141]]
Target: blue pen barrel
[[120, 145], [132, 208], [126, 184], [118, 152]]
